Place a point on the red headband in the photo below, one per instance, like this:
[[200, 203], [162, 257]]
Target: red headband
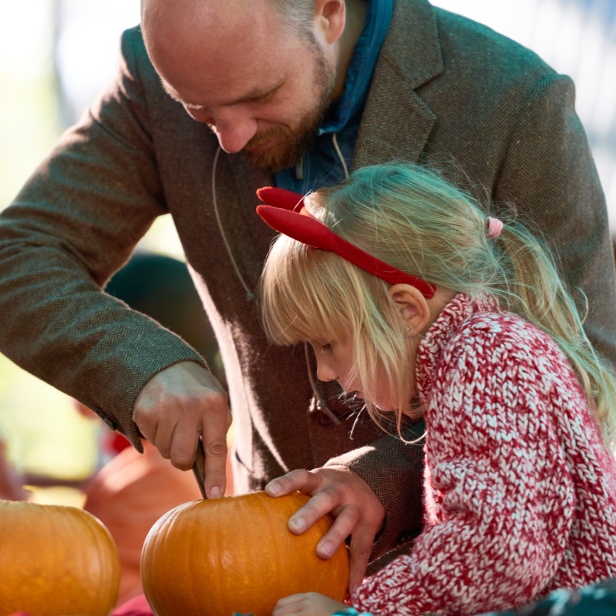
[[286, 214]]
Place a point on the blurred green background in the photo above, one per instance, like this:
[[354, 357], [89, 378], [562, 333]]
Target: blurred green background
[[54, 58], [56, 55]]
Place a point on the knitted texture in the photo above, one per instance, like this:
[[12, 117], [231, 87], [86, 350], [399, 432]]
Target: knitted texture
[[519, 488]]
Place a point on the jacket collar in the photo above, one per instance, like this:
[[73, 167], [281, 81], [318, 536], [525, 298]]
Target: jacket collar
[[396, 123]]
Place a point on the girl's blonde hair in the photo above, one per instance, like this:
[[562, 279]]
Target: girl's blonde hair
[[417, 222]]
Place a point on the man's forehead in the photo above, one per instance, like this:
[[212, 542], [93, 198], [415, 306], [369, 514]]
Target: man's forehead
[[199, 61]]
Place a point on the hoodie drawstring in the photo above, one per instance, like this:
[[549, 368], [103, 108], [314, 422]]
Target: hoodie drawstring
[[250, 295], [344, 166]]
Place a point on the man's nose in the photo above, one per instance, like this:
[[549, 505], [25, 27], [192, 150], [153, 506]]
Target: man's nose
[[233, 128], [233, 139]]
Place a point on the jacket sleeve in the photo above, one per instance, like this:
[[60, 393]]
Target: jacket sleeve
[[75, 222], [549, 176], [395, 472], [499, 497]]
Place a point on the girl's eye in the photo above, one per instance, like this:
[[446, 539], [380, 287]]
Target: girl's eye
[[326, 346]]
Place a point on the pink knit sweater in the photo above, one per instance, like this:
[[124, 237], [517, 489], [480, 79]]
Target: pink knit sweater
[[520, 493]]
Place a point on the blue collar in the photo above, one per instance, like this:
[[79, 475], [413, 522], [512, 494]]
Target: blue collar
[[361, 68]]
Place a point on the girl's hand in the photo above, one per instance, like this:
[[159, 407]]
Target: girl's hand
[[344, 494], [307, 604]]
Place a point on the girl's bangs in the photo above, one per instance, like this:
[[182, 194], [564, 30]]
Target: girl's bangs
[[302, 297]]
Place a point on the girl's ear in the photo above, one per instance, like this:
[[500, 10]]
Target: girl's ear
[[412, 305]]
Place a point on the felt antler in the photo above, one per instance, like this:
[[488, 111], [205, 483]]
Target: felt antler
[[281, 198], [281, 213]]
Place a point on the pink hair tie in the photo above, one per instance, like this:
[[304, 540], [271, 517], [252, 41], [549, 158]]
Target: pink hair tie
[[495, 226]]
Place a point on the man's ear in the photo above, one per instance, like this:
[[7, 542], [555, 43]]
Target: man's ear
[[329, 20], [412, 305]]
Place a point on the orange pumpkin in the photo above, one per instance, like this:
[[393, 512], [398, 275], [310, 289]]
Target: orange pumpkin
[[55, 561], [236, 554]]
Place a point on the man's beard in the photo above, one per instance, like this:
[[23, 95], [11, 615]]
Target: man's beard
[[297, 140]]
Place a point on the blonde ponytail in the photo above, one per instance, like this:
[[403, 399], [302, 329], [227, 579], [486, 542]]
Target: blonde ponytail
[[534, 290]]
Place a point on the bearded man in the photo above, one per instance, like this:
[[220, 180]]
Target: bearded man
[[214, 99]]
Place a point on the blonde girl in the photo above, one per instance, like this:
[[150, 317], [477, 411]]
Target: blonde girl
[[420, 304]]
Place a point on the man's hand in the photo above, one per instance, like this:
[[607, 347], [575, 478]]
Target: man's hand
[[175, 407], [344, 494], [308, 604]]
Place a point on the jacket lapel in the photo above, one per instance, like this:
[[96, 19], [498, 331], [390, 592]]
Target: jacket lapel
[[396, 123]]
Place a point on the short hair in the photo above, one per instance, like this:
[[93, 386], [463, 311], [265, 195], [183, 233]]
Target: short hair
[[298, 14]]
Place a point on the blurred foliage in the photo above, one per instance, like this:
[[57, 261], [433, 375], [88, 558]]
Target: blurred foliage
[[29, 128], [44, 432]]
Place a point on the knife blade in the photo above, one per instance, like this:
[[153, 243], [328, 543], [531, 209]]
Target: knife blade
[[199, 467]]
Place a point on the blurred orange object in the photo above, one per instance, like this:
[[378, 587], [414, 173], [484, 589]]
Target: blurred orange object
[[129, 495], [10, 480]]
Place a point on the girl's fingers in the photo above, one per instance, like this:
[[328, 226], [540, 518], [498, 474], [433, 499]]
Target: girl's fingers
[[307, 604], [318, 506], [289, 605], [361, 548], [298, 480], [343, 526]]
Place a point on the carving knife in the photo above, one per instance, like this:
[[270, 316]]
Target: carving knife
[[199, 467]]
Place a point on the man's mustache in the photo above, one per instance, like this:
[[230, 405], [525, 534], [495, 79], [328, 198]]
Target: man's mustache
[[261, 138]]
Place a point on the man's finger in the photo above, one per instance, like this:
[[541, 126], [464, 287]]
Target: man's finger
[[298, 480], [146, 422], [215, 448], [184, 446], [163, 438], [343, 526], [361, 548]]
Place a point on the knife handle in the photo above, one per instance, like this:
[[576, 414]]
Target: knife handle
[[199, 467]]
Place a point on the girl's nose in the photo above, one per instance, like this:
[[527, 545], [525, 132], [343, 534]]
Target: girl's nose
[[325, 372]]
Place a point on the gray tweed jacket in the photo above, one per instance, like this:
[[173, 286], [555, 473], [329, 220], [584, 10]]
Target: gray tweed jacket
[[446, 91]]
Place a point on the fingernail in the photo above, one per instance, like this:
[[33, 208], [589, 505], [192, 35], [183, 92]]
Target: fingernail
[[298, 523], [215, 492], [274, 488], [326, 549]]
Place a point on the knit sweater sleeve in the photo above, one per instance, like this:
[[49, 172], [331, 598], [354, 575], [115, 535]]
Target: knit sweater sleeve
[[499, 498]]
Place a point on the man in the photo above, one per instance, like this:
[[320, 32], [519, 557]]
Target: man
[[403, 81]]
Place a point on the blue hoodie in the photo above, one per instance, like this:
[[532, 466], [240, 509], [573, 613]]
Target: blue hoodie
[[320, 165]]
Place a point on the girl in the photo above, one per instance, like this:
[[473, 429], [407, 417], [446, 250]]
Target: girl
[[418, 303]]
